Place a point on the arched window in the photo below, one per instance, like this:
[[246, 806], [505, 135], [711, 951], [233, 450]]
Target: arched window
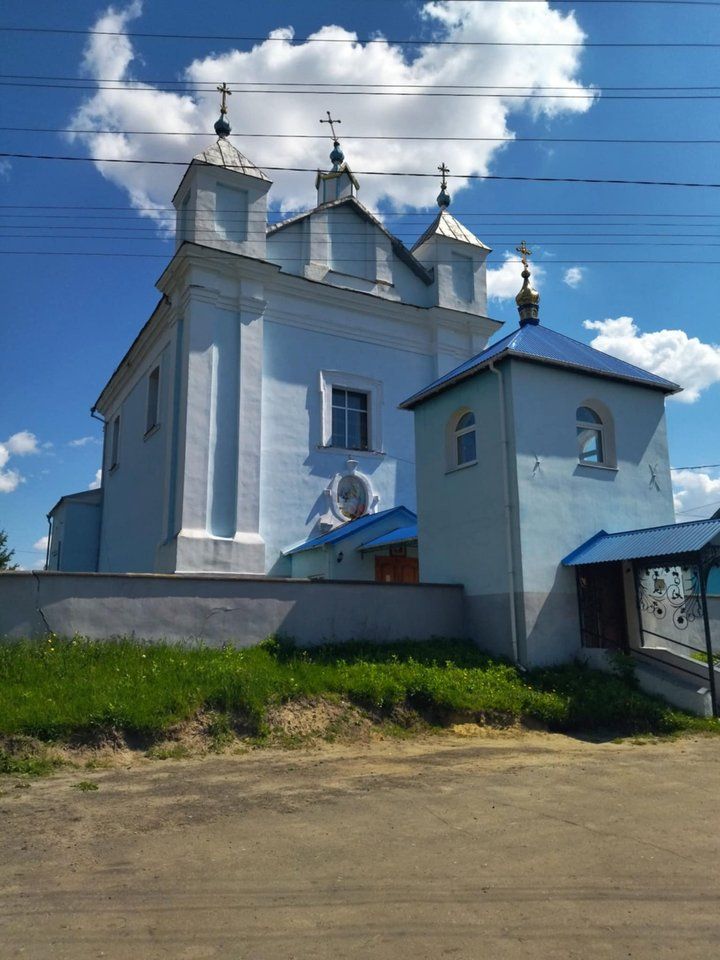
[[590, 436], [464, 447]]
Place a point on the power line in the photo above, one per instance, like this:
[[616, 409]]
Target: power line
[[352, 137], [414, 214], [396, 41], [700, 466], [210, 86], [454, 94], [382, 173], [163, 256]]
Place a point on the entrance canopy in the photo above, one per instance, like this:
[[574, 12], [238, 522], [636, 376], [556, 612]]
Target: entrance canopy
[[668, 541]]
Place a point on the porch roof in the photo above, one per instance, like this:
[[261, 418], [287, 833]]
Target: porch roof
[[401, 535], [674, 538]]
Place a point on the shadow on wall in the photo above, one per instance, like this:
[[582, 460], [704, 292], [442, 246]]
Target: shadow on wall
[[217, 610], [552, 622]]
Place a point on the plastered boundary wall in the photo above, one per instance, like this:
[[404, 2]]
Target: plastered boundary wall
[[240, 610]]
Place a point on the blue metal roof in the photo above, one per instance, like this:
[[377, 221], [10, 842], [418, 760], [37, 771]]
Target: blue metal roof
[[401, 535], [664, 541], [543, 345], [352, 527]]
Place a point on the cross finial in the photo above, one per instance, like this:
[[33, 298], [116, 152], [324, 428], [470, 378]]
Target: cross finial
[[524, 253], [444, 170], [332, 125], [226, 92]]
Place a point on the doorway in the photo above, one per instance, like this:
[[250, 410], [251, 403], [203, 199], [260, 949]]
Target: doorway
[[396, 570], [601, 592]]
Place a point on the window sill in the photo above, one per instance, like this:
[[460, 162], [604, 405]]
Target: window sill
[[149, 433], [598, 466], [462, 466], [349, 451]]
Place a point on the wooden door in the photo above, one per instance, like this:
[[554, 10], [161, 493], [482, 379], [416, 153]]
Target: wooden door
[[396, 570]]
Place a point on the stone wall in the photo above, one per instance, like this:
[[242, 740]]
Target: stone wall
[[224, 609]]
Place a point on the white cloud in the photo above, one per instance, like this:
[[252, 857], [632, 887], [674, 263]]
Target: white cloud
[[22, 443], [280, 61], [697, 494], [10, 480], [18, 445], [504, 282], [41, 544], [96, 482], [574, 276], [668, 353], [83, 441]]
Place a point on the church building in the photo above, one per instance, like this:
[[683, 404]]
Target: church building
[[257, 411]]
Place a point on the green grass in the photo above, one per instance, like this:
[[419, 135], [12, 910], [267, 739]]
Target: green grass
[[76, 689]]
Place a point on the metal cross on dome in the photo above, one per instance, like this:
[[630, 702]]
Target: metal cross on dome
[[226, 92], [444, 170], [332, 125], [524, 253]]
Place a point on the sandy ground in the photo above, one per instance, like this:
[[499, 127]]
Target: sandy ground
[[525, 846]]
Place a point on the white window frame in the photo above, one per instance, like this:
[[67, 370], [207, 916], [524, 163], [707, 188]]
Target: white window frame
[[451, 438], [604, 429], [355, 382]]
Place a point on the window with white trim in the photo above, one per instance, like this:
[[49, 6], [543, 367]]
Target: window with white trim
[[349, 419], [351, 412], [590, 431], [464, 446]]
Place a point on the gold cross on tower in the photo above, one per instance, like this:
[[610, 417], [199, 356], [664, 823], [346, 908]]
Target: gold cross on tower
[[332, 124], [444, 171], [226, 92], [524, 253]]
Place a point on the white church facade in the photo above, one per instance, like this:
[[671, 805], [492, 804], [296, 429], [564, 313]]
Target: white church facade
[[258, 408], [312, 400]]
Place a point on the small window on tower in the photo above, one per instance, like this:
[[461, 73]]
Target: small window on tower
[[590, 436], [465, 448], [152, 418]]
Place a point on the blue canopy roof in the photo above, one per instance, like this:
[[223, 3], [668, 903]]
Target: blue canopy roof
[[542, 345], [404, 517], [675, 538], [401, 535]]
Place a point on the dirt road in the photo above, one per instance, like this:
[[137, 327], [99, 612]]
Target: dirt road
[[534, 846]]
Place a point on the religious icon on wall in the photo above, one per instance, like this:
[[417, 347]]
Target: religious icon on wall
[[352, 497]]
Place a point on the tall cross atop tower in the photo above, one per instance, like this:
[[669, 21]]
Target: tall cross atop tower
[[226, 92], [332, 125], [524, 253], [444, 170]]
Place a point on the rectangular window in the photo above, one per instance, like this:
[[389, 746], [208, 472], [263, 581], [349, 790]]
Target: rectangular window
[[349, 419], [231, 213], [115, 443], [152, 417]]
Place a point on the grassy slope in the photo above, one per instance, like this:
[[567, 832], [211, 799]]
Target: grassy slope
[[57, 689]]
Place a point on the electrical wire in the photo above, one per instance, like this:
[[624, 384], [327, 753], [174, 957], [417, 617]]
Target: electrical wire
[[383, 173], [396, 41]]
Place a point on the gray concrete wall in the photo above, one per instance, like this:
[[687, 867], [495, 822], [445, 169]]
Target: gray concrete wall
[[224, 609]]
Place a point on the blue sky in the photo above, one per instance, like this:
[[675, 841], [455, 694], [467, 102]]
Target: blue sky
[[67, 320]]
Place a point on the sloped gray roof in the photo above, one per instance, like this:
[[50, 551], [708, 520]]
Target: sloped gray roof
[[224, 154], [445, 225]]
